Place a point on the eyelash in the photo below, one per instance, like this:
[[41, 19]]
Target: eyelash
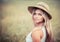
[[35, 14], [39, 14]]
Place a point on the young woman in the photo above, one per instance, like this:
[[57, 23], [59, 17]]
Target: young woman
[[41, 18]]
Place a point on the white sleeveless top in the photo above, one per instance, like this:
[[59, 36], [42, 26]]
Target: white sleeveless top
[[29, 38]]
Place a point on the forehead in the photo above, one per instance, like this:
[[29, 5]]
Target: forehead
[[38, 11]]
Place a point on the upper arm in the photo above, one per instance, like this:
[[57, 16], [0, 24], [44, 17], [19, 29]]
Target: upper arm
[[36, 36]]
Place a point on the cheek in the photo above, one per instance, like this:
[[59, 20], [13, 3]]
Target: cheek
[[33, 18], [39, 18]]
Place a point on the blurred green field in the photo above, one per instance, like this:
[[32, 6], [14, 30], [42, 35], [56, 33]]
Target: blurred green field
[[17, 22]]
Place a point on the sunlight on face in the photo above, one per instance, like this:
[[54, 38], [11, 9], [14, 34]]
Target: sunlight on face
[[37, 16]]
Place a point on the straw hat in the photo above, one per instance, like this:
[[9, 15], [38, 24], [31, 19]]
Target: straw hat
[[43, 6]]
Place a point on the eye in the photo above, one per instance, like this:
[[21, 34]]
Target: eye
[[40, 14], [34, 13]]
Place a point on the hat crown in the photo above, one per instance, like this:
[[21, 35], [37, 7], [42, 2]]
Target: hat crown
[[44, 5]]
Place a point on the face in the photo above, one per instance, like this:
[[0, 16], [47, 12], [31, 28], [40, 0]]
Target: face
[[37, 16]]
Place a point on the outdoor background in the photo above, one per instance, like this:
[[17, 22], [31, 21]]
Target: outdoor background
[[16, 21]]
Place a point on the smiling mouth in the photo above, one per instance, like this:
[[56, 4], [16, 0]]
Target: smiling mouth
[[41, 22]]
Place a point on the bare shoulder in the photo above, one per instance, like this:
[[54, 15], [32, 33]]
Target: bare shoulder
[[37, 33]]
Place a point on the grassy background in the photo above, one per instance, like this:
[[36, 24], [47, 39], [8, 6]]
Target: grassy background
[[16, 21]]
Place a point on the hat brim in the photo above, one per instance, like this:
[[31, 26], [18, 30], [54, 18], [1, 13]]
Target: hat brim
[[30, 9]]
